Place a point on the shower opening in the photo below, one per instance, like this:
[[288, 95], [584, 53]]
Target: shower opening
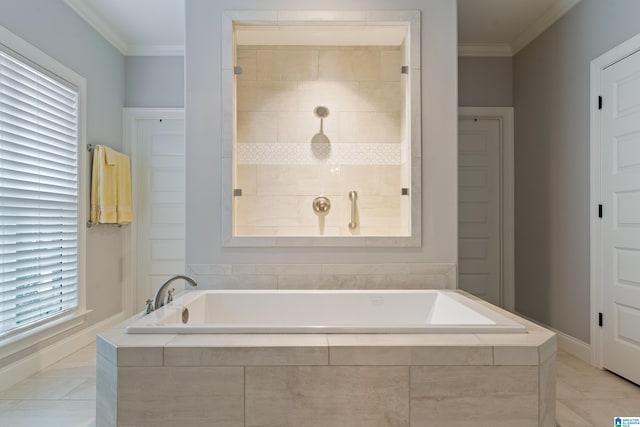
[[322, 132]]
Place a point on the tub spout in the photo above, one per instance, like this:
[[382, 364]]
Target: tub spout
[[159, 297]]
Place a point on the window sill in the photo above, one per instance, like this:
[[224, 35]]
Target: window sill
[[21, 341]]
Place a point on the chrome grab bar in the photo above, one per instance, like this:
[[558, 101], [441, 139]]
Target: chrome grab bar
[[353, 195]]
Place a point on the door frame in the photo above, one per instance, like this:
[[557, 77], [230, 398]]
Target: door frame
[[505, 116], [130, 118], [598, 66]]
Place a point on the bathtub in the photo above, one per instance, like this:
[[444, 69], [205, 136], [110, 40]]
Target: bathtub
[[323, 312]]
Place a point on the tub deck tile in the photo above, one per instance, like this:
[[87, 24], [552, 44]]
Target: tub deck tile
[[411, 356], [124, 349], [247, 350]]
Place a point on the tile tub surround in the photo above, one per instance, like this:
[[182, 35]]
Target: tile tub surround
[[325, 276], [327, 379]]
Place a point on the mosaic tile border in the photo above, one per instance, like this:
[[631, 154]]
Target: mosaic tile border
[[315, 153]]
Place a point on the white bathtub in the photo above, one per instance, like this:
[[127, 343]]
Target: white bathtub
[[325, 311]]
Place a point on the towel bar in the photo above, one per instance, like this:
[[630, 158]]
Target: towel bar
[[91, 224]]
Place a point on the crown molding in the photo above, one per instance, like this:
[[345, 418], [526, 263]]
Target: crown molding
[[155, 50], [486, 49], [87, 13], [554, 13]]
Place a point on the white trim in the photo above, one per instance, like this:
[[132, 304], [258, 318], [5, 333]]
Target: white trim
[[573, 346], [410, 19], [555, 12], [86, 12], [131, 117], [155, 50], [27, 366], [505, 116], [484, 49], [598, 65]]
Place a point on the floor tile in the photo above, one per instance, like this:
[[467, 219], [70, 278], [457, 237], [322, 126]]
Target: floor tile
[[566, 417], [41, 388], [50, 413]]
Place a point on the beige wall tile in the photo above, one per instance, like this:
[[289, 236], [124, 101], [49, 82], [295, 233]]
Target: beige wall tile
[[268, 211], [327, 396], [381, 180], [257, 127], [267, 96], [238, 281], [303, 126], [309, 180], [497, 395], [287, 64], [390, 63], [369, 127], [246, 179], [356, 63], [247, 58], [337, 96], [205, 395], [380, 96], [324, 281]]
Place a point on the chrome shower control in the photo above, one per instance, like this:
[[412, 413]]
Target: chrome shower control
[[321, 205]]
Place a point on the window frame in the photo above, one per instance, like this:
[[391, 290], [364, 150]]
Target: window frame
[[48, 328]]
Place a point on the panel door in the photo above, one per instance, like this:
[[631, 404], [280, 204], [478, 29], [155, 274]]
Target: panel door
[[160, 204], [479, 219], [621, 217]]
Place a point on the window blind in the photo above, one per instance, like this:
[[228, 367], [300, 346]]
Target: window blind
[[38, 195]]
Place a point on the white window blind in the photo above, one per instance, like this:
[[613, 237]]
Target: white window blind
[[38, 195]]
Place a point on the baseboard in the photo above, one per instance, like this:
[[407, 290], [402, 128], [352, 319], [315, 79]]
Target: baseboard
[[566, 342], [574, 346], [25, 367]]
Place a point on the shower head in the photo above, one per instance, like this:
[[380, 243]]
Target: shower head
[[321, 111]]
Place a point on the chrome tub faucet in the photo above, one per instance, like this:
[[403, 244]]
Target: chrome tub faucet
[[159, 298]]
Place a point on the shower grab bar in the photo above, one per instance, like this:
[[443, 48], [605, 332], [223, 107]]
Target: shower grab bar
[[353, 195]]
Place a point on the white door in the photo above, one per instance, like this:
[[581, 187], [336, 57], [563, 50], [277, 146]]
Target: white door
[[160, 204], [621, 217], [479, 209]]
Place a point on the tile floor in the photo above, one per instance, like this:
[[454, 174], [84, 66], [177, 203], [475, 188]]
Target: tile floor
[[63, 395]]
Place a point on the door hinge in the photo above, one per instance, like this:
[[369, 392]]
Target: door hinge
[[599, 211], [237, 70], [600, 321], [404, 69], [599, 103]]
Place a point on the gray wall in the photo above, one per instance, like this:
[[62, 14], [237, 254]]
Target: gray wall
[[204, 156], [485, 81], [154, 81], [551, 99], [56, 30]]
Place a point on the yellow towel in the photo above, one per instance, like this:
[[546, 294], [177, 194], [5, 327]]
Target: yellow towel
[[110, 187]]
